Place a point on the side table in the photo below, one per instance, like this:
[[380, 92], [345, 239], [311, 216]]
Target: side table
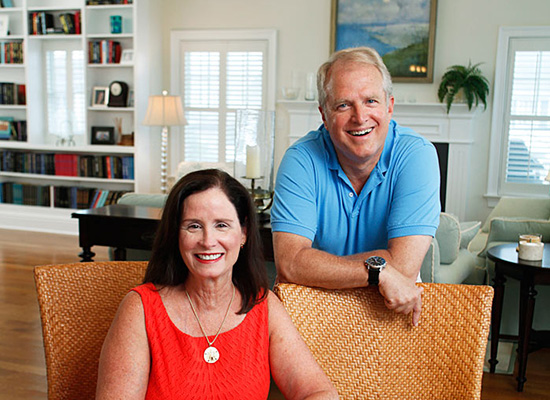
[[529, 273]]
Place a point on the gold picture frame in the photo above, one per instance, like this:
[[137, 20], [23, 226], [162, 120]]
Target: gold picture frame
[[404, 36]]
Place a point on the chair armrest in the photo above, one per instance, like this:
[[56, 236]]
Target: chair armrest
[[430, 263], [468, 230]]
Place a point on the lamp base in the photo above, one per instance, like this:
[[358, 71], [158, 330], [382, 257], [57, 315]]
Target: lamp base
[[164, 160]]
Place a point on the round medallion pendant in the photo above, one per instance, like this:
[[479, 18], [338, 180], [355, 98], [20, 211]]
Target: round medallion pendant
[[211, 355]]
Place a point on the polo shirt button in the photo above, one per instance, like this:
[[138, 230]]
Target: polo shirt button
[[350, 194]]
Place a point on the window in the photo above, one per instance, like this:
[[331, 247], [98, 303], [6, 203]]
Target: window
[[520, 137], [65, 91], [217, 73]]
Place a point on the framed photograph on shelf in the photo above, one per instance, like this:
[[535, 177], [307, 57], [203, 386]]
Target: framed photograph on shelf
[[403, 35], [103, 135], [4, 22], [100, 96], [127, 56]]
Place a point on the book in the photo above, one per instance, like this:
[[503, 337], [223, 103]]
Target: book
[[6, 128], [68, 23]]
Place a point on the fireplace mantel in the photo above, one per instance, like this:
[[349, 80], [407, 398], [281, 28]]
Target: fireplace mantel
[[430, 120]]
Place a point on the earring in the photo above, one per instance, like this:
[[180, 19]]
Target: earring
[[242, 245]]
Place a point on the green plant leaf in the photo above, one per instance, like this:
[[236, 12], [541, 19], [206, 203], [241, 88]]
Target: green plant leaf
[[470, 79]]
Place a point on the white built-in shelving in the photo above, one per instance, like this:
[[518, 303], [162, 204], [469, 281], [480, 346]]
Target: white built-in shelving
[[94, 26]]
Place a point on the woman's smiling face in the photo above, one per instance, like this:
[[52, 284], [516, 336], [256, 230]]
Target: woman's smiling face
[[210, 234]]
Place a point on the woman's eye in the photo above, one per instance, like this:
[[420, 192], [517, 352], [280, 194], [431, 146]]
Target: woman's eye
[[222, 225], [192, 227]]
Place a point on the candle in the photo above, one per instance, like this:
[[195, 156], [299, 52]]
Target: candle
[[253, 170], [531, 251], [534, 237]]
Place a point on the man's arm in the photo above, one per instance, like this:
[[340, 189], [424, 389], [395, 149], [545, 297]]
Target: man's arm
[[298, 262]]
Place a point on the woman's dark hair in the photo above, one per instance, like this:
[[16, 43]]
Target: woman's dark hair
[[167, 268]]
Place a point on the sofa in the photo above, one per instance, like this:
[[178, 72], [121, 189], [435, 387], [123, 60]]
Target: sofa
[[511, 217]]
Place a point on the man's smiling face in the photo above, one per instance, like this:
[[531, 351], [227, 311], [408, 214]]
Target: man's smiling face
[[357, 113]]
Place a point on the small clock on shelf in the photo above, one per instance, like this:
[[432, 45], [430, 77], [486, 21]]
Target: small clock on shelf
[[118, 94]]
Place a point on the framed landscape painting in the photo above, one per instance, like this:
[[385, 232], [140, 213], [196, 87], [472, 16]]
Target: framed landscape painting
[[403, 33]]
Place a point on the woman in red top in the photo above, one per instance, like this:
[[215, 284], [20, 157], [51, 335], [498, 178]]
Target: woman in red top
[[204, 324]]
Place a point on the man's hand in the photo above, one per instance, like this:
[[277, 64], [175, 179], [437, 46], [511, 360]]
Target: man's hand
[[400, 293]]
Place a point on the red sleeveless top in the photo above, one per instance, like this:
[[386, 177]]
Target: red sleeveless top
[[178, 369]]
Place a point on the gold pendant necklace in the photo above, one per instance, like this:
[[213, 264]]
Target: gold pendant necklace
[[211, 354]]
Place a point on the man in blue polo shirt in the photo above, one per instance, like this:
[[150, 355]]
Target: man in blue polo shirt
[[357, 201]]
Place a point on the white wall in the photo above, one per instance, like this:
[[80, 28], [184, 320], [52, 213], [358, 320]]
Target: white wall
[[466, 30]]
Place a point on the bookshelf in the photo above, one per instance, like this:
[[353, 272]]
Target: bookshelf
[[53, 165]]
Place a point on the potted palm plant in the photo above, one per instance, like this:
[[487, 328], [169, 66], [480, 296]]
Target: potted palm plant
[[469, 80]]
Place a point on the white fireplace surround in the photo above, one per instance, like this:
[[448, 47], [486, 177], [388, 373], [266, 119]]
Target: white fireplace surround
[[430, 120]]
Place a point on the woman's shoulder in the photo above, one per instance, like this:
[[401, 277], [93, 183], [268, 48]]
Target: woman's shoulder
[[276, 309]]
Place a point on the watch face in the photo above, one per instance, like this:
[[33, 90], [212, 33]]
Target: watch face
[[116, 89], [376, 261]]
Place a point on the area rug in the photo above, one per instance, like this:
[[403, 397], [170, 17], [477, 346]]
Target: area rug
[[506, 357]]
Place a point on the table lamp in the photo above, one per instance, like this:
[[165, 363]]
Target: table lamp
[[164, 111]]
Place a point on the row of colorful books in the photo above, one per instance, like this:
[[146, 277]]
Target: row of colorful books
[[13, 93], [44, 23], [106, 2], [63, 196], [61, 164], [104, 52], [20, 193], [83, 198], [11, 52]]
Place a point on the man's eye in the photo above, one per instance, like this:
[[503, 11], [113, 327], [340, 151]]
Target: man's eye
[[341, 106]]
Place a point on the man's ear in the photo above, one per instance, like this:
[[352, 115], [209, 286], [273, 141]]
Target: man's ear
[[323, 115]]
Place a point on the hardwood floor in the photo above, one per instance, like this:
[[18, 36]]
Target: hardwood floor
[[22, 367]]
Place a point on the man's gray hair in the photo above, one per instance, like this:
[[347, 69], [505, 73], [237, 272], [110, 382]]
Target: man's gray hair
[[362, 55]]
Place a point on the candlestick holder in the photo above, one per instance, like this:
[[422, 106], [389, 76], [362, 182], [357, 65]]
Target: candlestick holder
[[254, 143], [263, 199]]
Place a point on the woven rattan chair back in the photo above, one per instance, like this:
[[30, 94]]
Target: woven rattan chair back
[[370, 352], [77, 304]]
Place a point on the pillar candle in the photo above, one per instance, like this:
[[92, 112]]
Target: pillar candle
[[253, 170], [531, 251]]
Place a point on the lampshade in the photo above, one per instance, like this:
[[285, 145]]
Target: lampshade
[[547, 177], [164, 110]]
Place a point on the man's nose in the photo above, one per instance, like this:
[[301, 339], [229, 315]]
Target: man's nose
[[360, 113]]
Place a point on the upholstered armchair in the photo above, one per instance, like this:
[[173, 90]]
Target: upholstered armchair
[[447, 259]]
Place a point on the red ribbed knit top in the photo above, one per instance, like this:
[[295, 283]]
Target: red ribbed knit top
[[178, 369]]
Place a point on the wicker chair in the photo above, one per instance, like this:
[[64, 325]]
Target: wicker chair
[[77, 304], [370, 352]]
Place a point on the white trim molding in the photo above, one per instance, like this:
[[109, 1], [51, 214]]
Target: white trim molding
[[500, 103]]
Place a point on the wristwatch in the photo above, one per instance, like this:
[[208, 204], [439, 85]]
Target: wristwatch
[[374, 265]]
